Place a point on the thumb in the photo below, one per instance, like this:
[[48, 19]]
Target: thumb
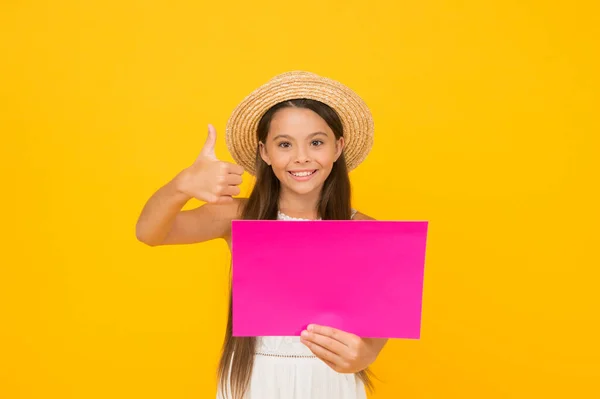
[[208, 150]]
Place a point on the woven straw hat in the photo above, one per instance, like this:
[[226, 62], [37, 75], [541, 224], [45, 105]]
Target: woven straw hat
[[357, 121]]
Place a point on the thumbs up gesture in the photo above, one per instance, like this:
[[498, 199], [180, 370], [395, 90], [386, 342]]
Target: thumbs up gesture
[[209, 179]]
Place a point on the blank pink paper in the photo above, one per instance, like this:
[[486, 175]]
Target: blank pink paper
[[364, 277]]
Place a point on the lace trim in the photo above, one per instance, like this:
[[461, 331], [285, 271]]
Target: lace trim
[[283, 216], [284, 355]]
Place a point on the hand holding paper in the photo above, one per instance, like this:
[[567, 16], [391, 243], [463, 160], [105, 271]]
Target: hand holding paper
[[342, 351]]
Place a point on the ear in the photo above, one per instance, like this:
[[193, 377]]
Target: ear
[[339, 147], [263, 153]]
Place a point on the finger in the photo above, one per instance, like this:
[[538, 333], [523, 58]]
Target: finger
[[230, 190], [208, 150], [323, 354], [233, 180], [333, 366], [231, 168], [224, 199], [326, 342], [345, 338], [235, 169], [219, 199]]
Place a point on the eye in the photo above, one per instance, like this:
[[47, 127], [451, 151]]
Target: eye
[[316, 143], [284, 144]]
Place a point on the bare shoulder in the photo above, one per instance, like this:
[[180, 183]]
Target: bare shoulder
[[362, 216]]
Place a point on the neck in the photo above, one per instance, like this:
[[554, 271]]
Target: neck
[[299, 205]]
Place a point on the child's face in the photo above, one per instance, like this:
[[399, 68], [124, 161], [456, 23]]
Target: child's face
[[301, 148]]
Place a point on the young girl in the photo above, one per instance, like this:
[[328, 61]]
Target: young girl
[[299, 134]]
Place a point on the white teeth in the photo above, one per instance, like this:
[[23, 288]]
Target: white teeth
[[302, 174]]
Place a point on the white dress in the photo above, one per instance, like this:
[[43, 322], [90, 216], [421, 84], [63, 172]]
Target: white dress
[[284, 368]]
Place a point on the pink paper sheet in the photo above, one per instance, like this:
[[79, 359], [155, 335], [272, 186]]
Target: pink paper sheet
[[364, 277]]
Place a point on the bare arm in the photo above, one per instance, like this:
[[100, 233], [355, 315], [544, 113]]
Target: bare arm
[[162, 221], [159, 213]]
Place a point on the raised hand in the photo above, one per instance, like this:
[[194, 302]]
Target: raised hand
[[209, 179]]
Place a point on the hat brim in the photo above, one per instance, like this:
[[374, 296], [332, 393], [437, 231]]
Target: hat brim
[[357, 121]]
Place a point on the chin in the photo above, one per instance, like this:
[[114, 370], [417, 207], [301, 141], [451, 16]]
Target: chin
[[304, 190]]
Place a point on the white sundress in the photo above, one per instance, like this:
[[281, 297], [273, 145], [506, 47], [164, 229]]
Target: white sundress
[[284, 368]]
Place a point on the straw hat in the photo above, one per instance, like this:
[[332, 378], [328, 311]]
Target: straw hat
[[357, 121]]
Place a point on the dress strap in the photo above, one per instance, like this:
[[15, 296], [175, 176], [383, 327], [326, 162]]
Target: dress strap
[[353, 213]]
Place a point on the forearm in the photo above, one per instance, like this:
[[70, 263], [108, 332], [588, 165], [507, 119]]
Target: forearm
[[376, 344], [159, 212]]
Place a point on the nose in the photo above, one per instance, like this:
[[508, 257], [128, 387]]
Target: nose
[[302, 155]]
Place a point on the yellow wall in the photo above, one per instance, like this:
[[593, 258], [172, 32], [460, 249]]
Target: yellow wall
[[486, 125]]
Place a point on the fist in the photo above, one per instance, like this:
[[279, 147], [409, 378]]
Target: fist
[[209, 179]]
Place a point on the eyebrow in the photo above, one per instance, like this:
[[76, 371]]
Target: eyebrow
[[285, 136]]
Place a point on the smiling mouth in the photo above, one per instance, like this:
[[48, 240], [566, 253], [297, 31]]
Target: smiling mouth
[[303, 173]]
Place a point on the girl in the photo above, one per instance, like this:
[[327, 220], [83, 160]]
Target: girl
[[299, 134]]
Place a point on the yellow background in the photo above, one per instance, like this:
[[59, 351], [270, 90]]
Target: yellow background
[[486, 117]]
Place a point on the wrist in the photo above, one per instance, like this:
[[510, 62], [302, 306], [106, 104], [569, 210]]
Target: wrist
[[177, 187]]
